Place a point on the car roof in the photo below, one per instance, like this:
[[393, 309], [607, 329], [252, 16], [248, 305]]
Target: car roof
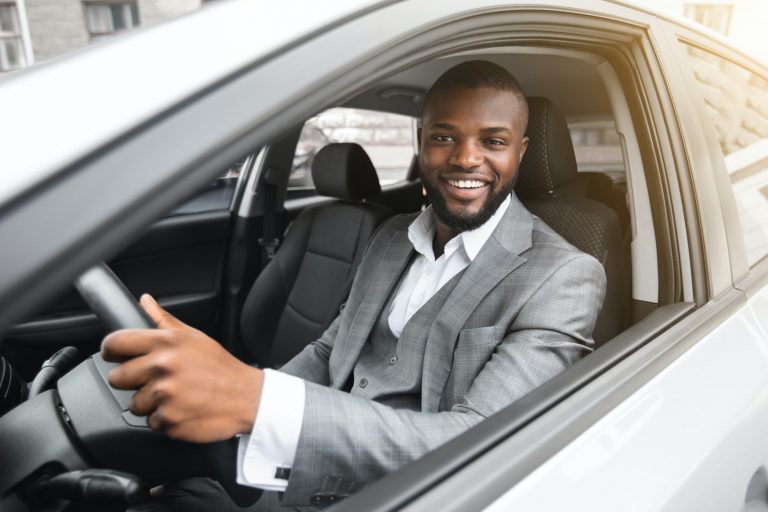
[[180, 59]]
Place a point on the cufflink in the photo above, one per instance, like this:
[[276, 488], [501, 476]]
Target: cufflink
[[282, 473]]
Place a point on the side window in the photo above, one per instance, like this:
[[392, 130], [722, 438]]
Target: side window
[[597, 146], [215, 197], [387, 138], [737, 100]]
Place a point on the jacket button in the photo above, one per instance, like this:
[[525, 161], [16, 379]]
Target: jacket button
[[393, 360], [363, 383]]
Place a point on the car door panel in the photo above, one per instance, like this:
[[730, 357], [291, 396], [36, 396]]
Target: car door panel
[[179, 260], [719, 386]]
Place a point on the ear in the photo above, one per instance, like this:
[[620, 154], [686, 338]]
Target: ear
[[523, 147]]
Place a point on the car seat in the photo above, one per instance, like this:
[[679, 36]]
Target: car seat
[[546, 171], [299, 292]]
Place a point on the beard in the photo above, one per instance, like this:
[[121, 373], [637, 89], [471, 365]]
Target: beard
[[467, 222]]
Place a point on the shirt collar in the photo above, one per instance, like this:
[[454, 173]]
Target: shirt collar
[[421, 232]]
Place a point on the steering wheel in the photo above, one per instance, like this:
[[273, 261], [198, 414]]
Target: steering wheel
[[86, 422]]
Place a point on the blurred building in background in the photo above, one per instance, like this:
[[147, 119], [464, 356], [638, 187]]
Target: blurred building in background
[[36, 30]]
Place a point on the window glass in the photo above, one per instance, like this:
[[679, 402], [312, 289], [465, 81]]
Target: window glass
[[596, 145], [106, 18], [8, 21], [737, 100], [387, 138]]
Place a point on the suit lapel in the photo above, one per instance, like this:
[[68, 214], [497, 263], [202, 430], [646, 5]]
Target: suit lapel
[[394, 261], [499, 256]]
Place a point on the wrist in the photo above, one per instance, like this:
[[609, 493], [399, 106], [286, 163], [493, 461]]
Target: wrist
[[249, 408]]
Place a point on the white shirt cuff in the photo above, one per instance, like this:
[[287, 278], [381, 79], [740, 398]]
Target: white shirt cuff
[[266, 455]]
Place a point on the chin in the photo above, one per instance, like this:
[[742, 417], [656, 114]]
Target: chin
[[462, 220]]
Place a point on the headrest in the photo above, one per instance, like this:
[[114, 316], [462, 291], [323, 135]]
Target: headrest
[[344, 170], [549, 162]]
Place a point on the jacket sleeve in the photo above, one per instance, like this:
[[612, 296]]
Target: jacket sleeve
[[347, 440], [311, 364]]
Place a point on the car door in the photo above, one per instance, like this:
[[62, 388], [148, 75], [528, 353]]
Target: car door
[[179, 260], [692, 438], [670, 415]]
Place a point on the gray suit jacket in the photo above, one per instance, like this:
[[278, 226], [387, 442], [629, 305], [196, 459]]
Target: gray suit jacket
[[521, 313]]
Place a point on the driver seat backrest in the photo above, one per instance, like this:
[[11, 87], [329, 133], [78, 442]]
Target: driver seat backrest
[[545, 186], [300, 292]]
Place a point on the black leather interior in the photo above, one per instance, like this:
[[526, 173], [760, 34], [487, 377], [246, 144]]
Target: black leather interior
[[546, 171], [336, 171], [299, 293]]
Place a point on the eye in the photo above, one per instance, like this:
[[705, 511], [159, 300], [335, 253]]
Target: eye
[[442, 138], [495, 142]]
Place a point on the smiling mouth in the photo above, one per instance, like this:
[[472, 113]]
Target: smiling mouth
[[467, 184]]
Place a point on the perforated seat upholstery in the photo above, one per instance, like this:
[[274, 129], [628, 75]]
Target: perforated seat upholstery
[[299, 293], [547, 168]]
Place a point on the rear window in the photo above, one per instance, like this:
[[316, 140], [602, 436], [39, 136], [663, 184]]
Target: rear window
[[387, 138], [737, 101]]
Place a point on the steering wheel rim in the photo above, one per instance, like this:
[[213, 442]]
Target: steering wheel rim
[[108, 297]]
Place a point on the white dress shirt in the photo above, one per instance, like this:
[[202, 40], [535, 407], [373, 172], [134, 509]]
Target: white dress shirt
[[266, 455]]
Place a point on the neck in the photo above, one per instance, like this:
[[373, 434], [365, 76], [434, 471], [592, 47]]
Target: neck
[[443, 235]]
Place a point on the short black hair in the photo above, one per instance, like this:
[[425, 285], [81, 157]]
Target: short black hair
[[479, 74]]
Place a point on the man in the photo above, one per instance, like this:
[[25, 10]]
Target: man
[[452, 315]]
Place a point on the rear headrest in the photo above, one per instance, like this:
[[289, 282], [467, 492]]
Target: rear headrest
[[549, 162], [344, 170]]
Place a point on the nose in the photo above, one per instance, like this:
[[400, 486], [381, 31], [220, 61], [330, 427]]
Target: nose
[[466, 155]]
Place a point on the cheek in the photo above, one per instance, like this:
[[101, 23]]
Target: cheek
[[429, 159], [504, 167]]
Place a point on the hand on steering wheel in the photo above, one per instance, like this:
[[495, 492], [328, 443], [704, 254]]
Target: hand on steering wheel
[[188, 386]]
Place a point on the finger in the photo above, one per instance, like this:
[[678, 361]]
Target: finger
[[161, 317], [126, 343], [155, 420], [147, 399], [135, 373]]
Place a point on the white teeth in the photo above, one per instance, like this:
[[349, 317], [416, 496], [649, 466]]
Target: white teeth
[[466, 183]]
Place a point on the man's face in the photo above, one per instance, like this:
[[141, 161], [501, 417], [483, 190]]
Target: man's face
[[471, 143]]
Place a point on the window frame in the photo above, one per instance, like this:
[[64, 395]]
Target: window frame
[[14, 36]]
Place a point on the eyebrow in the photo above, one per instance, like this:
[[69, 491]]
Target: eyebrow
[[487, 131], [495, 129]]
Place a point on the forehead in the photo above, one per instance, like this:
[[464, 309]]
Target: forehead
[[463, 106]]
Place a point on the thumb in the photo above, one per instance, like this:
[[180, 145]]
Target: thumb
[[161, 317]]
